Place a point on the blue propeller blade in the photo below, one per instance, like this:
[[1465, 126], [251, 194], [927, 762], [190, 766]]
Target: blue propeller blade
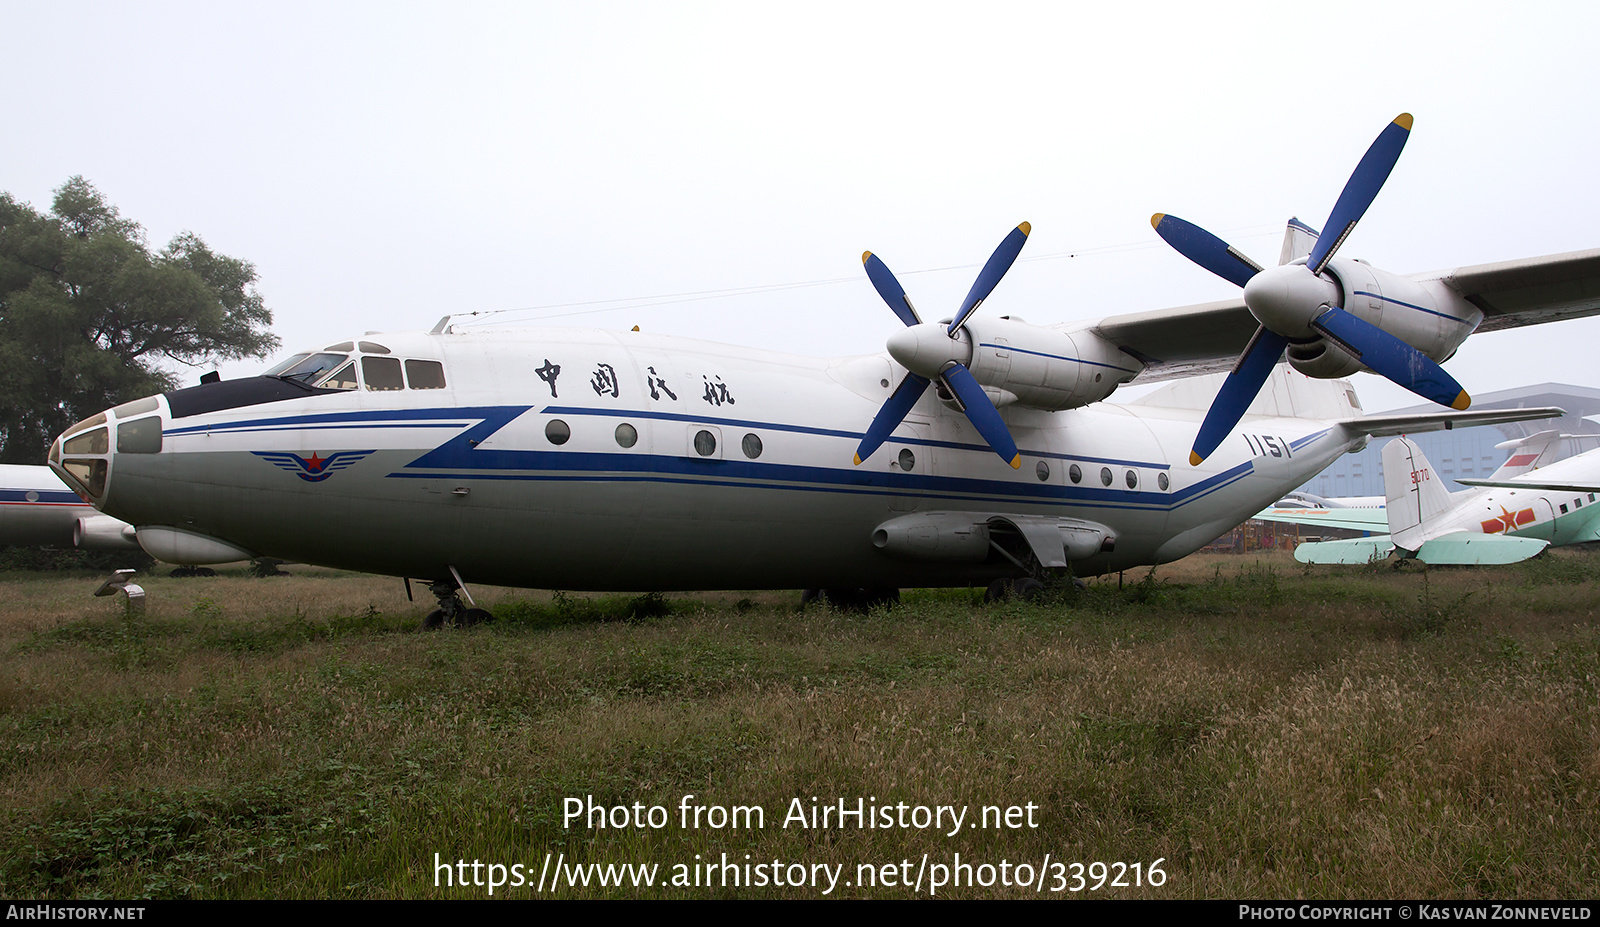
[[1392, 358], [1360, 190], [1238, 391], [893, 412], [1205, 249], [890, 289], [988, 278], [982, 413]]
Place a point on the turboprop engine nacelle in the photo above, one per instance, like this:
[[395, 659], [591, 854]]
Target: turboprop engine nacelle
[[1022, 364], [1427, 315], [102, 532]]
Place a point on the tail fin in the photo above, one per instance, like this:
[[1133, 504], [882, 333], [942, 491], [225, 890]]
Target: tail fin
[[1416, 496], [1297, 241], [1529, 453]]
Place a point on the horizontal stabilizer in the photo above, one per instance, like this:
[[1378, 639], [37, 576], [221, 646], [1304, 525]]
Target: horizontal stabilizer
[[1354, 552], [1383, 425], [1466, 548]]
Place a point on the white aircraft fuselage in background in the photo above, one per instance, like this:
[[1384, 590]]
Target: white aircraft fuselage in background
[[37, 508]]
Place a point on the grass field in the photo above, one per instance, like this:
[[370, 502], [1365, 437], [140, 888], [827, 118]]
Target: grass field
[[1245, 726]]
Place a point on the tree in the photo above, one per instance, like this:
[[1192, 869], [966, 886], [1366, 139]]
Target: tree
[[89, 316]]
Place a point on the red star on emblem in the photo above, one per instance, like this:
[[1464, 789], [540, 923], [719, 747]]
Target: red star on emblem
[[314, 463], [1507, 520]]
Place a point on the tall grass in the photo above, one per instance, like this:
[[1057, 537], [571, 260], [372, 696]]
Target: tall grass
[[1263, 730]]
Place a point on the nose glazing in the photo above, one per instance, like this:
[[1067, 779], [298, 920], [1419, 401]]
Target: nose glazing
[[84, 454]]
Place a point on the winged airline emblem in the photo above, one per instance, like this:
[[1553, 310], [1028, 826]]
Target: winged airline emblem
[[313, 469]]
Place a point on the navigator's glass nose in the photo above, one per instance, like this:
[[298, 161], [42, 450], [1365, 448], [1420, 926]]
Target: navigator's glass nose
[[84, 454], [82, 457]]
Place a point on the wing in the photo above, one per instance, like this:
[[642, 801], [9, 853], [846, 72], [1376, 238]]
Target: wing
[[1546, 485], [1530, 291], [1207, 337], [1187, 341], [1351, 519]]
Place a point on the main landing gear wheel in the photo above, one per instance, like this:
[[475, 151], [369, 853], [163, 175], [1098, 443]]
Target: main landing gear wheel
[[450, 610], [1027, 589]]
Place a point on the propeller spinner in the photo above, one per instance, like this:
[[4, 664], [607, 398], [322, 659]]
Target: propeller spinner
[[934, 351], [1296, 302]]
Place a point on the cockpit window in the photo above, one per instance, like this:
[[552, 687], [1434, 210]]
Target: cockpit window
[[333, 369], [382, 373], [283, 365], [312, 368], [425, 374], [345, 378]]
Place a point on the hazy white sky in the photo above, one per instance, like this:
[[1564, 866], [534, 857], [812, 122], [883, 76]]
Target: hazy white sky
[[383, 164]]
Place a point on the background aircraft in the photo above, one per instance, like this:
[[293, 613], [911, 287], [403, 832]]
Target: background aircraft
[[37, 508], [1517, 512], [1366, 513]]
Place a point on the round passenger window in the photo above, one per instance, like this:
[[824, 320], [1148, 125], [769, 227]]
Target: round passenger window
[[1042, 470], [627, 435], [1105, 476], [907, 459], [1132, 479], [705, 443], [751, 445], [557, 431], [1162, 481], [1075, 472]]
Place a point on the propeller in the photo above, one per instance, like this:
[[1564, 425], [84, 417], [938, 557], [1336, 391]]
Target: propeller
[[934, 351], [1295, 302]]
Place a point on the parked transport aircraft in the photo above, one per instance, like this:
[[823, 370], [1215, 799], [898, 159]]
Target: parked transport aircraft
[[977, 450], [1512, 515], [1366, 513]]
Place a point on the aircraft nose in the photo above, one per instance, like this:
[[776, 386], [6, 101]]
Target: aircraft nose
[[84, 455]]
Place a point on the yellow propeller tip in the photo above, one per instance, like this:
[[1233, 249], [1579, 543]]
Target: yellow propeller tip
[[1462, 401], [1016, 462], [1155, 220], [866, 256], [1403, 121], [858, 460], [1026, 228], [1195, 459]]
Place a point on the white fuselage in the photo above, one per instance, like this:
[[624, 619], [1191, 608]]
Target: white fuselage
[[37, 508], [583, 459]]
